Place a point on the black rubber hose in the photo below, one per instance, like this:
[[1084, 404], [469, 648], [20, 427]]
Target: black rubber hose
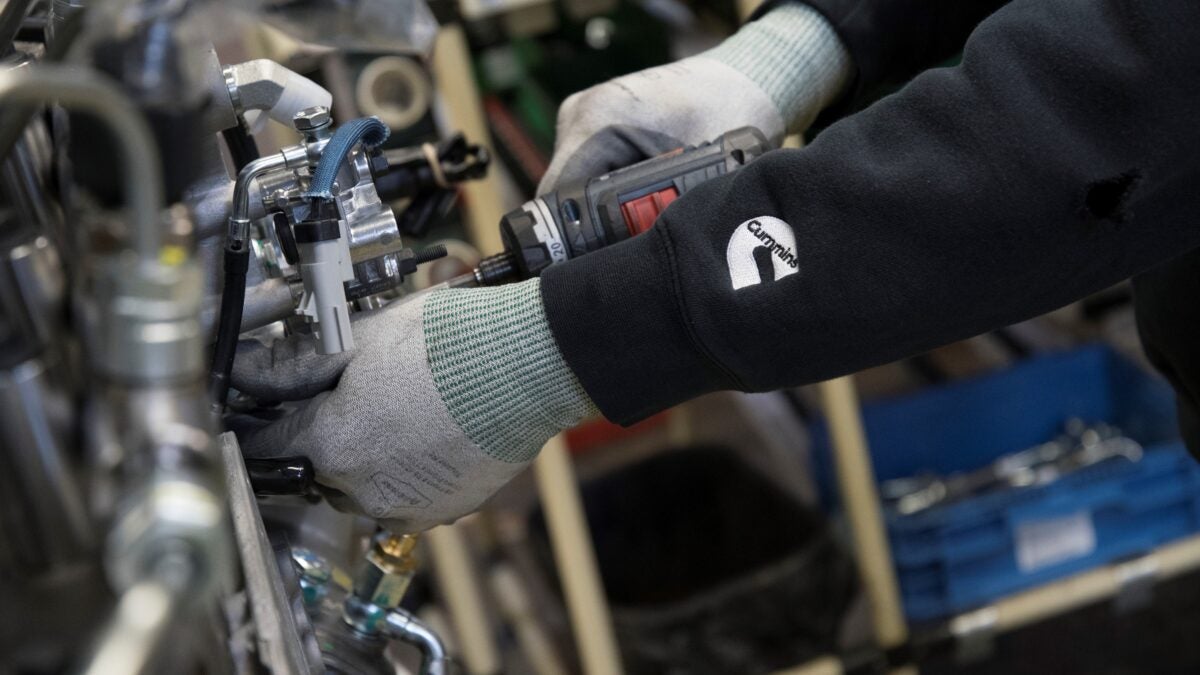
[[11, 16], [242, 148], [229, 325], [281, 476]]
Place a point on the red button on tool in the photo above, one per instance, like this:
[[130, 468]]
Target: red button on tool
[[641, 213]]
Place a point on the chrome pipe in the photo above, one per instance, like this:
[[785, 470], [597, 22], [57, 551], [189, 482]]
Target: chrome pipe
[[90, 91], [403, 626]]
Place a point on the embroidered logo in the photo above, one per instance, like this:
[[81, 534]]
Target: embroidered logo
[[761, 249]]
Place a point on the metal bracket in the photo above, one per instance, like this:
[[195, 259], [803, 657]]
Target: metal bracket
[[279, 645]]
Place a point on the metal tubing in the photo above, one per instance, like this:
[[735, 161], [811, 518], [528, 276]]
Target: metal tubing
[[404, 626], [92, 92], [237, 260], [54, 514], [135, 631], [21, 180], [14, 119], [241, 188]]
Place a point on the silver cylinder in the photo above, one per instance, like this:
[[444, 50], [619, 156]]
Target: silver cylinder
[[43, 519], [23, 179], [34, 288], [147, 324], [89, 91]]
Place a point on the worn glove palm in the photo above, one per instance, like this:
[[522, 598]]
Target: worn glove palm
[[446, 398], [775, 74]]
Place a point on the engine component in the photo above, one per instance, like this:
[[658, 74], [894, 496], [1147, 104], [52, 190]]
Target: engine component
[[342, 251], [350, 249], [307, 623], [324, 269], [43, 520], [141, 309], [372, 609], [315, 575], [402, 625], [383, 580], [263, 89], [116, 208]]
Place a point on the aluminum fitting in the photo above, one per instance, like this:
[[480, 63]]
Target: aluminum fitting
[[268, 89], [173, 531], [148, 318]]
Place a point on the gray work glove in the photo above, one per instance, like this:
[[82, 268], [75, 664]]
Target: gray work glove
[[623, 121], [444, 400], [775, 74]]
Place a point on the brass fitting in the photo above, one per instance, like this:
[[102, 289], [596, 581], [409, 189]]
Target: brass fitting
[[387, 571]]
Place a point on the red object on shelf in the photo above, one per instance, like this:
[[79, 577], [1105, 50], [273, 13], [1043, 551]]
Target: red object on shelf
[[597, 432]]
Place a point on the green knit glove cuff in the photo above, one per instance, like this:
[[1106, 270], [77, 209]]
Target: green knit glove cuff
[[499, 371], [794, 55]]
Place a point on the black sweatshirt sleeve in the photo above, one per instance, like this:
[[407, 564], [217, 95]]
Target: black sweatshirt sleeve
[[892, 40], [1058, 159]]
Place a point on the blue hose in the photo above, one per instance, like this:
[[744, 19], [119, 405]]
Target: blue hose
[[369, 130]]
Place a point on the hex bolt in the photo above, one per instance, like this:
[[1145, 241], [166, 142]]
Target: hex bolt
[[314, 576], [311, 119]]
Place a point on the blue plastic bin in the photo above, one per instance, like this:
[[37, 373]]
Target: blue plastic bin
[[960, 556]]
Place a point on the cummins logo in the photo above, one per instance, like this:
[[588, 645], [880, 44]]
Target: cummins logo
[[755, 242]]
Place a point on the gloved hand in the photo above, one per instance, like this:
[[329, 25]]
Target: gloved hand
[[446, 398], [775, 74]]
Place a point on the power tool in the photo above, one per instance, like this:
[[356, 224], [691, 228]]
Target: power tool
[[591, 213]]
